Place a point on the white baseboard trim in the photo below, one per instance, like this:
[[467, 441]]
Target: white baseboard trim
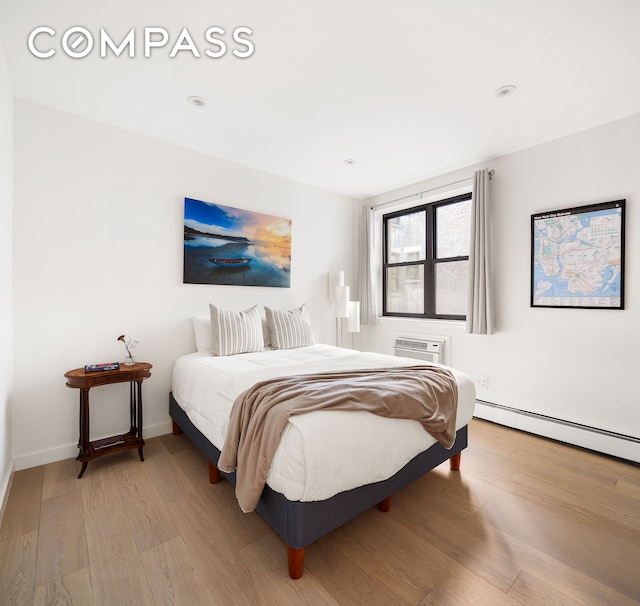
[[5, 487], [70, 451], [592, 438]]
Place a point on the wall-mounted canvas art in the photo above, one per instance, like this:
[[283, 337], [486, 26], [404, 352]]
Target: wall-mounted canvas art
[[226, 245]]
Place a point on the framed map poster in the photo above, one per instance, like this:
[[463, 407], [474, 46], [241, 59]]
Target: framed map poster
[[577, 257]]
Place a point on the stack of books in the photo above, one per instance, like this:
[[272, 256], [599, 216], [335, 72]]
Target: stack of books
[[100, 367]]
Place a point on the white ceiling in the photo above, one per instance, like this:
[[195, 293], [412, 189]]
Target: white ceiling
[[406, 88]]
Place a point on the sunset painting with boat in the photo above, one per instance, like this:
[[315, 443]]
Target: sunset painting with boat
[[227, 245]]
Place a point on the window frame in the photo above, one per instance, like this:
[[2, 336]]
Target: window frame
[[428, 263]]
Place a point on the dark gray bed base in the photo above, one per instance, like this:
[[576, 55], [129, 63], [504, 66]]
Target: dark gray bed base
[[302, 523]]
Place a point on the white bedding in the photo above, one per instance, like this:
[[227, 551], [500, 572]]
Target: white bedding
[[321, 453]]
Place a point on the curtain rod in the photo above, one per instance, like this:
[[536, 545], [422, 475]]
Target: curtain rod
[[426, 191]]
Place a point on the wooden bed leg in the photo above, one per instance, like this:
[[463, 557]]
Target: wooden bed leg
[[175, 428], [295, 558], [454, 462], [214, 473], [385, 504]]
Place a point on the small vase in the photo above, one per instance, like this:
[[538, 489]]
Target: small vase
[[129, 360]]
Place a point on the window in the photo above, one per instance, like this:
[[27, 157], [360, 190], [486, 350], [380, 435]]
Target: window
[[426, 260]]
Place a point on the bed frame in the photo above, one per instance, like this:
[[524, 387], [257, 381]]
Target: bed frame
[[301, 523]]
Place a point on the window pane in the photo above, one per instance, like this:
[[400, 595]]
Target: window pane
[[451, 288], [405, 289], [406, 238], [453, 225]]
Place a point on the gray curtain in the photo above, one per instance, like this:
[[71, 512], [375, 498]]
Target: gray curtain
[[367, 268], [480, 300]]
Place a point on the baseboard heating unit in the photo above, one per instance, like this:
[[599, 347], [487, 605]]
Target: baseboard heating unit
[[593, 438], [430, 350]]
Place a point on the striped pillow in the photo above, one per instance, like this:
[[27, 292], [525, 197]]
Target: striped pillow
[[289, 329], [236, 332]]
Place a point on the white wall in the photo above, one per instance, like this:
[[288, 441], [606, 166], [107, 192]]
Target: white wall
[[6, 194], [98, 219], [576, 365], [98, 252]]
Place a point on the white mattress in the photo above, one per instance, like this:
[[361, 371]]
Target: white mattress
[[321, 453]]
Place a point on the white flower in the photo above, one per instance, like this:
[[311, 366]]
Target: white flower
[[129, 343]]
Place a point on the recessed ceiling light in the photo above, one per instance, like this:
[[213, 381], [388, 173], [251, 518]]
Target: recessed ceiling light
[[197, 101], [505, 91], [349, 162]]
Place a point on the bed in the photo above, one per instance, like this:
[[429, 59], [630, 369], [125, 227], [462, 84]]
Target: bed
[[329, 466]]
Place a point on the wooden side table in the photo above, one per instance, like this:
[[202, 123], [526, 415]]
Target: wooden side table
[[84, 381]]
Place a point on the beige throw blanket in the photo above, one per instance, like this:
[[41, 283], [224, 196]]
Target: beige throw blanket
[[428, 394]]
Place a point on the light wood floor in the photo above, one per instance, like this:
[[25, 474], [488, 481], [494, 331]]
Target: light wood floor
[[526, 521]]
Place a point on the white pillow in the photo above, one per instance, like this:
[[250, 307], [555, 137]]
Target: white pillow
[[235, 332], [265, 333], [203, 333], [289, 329]]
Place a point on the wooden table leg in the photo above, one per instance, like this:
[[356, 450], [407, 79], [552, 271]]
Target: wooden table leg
[[83, 440], [132, 406], [139, 419]]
